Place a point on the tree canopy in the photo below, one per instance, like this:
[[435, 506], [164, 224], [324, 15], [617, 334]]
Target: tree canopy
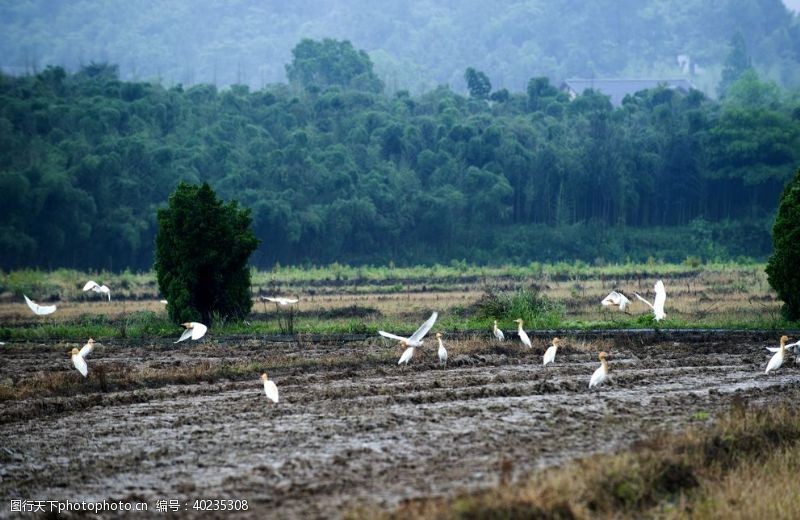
[[342, 173], [782, 271], [202, 252]]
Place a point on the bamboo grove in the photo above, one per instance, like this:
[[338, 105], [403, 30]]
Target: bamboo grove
[[336, 170]]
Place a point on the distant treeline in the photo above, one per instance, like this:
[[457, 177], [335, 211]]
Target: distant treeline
[[336, 171]]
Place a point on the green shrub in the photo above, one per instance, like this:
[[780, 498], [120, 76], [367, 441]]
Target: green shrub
[[783, 273], [202, 249], [535, 309]]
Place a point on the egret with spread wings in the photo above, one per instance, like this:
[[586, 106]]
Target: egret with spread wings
[[413, 341]]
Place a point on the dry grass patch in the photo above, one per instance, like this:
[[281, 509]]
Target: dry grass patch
[[743, 466]]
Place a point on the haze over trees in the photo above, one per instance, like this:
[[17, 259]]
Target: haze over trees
[[335, 171], [415, 44]]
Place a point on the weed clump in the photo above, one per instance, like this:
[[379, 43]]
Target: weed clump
[[535, 308]]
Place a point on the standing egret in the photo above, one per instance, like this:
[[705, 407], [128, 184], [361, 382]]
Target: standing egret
[[193, 330], [415, 340], [601, 374], [78, 356], [615, 298], [550, 353], [442, 350], [269, 388], [41, 310], [658, 304], [523, 336], [777, 359], [91, 285], [498, 333]]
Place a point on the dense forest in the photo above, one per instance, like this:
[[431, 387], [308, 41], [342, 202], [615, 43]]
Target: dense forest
[[416, 45], [336, 170]]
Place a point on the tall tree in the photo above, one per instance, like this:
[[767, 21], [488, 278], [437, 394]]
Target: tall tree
[[782, 272], [478, 83], [737, 62], [202, 248]]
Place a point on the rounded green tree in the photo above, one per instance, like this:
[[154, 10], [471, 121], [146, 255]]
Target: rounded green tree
[[202, 248], [782, 270]]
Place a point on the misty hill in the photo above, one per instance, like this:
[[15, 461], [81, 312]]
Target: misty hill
[[415, 45], [335, 170]]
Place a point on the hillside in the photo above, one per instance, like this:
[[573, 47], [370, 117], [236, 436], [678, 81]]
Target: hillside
[[416, 45]]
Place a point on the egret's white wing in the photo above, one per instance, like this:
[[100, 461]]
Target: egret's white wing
[[270, 299], [645, 301], [499, 335], [424, 328], [290, 300], [198, 330], [80, 364], [550, 355], [41, 310], [598, 377], [91, 284], [105, 290], [661, 298], [442, 354], [86, 350], [186, 335], [392, 336], [611, 299], [406, 357], [774, 363], [271, 390]]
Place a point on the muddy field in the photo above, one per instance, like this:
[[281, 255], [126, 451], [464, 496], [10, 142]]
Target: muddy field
[[352, 429]]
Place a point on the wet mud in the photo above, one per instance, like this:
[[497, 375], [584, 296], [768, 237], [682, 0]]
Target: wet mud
[[353, 429]]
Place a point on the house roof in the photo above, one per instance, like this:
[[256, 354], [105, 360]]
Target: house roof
[[617, 89]]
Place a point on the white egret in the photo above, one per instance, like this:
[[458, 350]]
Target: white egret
[[280, 300], [442, 350], [78, 357], [777, 359], [91, 285], [498, 333], [658, 303], [523, 336], [616, 298], [550, 353], [193, 330], [601, 374], [415, 340], [41, 310], [269, 388]]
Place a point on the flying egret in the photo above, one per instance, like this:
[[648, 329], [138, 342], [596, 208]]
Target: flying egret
[[601, 374], [523, 336], [91, 285], [78, 356], [498, 333], [193, 330], [550, 353], [280, 300], [442, 350], [777, 359], [658, 304], [269, 388], [41, 310], [415, 340], [616, 298]]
